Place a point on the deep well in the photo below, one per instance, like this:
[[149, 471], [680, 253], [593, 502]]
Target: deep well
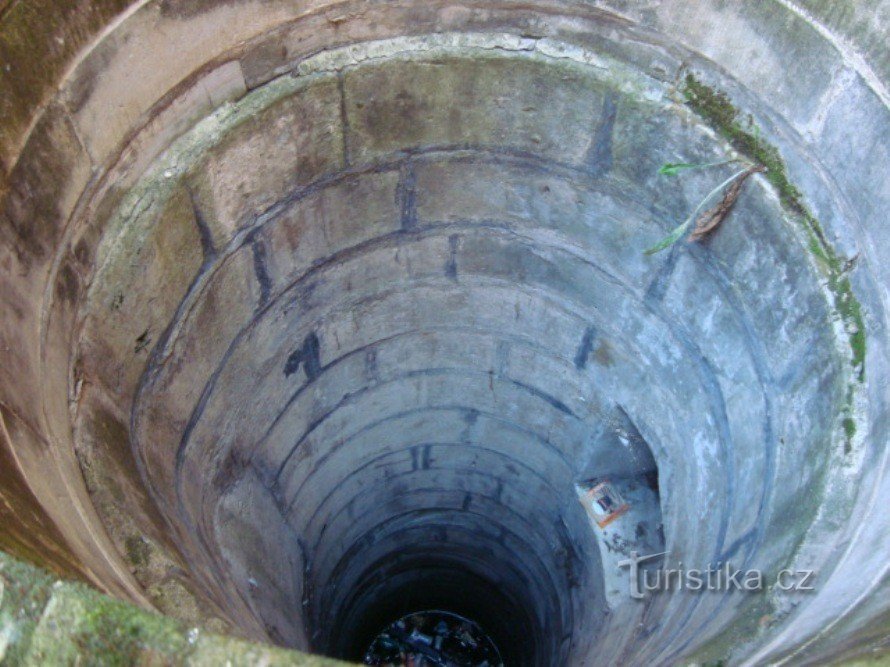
[[317, 313]]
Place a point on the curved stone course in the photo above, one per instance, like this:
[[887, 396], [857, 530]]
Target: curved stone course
[[321, 310]]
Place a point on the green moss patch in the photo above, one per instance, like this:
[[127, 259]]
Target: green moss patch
[[114, 633], [25, 594]]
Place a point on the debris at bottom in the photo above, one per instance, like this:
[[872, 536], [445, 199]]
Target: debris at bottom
[[433, 638]]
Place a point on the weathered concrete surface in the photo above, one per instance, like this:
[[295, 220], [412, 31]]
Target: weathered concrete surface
[[309, 302]]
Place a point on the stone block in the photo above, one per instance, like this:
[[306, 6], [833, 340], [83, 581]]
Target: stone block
[[269, 155], [497, 104]]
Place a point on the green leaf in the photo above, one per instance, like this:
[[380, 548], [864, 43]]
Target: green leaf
[[673, 168]]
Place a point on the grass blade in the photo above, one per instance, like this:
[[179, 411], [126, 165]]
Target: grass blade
[[670, 239], [678, 232], [673, 168]]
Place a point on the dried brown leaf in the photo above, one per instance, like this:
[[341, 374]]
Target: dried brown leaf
[[710, 219]]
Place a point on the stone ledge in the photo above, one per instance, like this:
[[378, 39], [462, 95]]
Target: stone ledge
[[44, 620]]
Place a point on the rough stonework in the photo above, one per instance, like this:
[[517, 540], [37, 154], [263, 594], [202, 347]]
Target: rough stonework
[[48, 621], [318, 315]]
